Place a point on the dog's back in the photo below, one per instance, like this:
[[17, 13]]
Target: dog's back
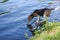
[[40, 12]]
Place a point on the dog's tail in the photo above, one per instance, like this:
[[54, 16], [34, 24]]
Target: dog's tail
[[55, 8]]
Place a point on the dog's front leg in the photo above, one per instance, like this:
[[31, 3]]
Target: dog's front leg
[[38, 21], [44, 18], [38, 18]]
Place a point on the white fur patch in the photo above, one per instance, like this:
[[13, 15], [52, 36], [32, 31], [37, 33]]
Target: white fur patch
[[38, 18]]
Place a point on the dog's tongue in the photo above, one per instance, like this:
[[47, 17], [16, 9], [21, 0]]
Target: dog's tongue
[[57, 8]]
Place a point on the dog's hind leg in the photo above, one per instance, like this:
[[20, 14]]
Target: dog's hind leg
[[30, 17]]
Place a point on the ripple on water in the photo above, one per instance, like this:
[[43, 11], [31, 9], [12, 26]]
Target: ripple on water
[[13, 24]]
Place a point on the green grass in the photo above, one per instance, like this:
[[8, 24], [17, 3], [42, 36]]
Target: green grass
[[50, 31]]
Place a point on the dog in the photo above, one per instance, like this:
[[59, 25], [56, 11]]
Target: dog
[[45, 12]]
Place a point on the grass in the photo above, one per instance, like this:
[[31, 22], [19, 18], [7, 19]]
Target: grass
[[50, 31]]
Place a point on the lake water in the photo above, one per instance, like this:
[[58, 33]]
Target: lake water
[[13, 22]]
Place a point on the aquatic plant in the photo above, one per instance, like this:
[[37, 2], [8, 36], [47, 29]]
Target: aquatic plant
[[27, 36]]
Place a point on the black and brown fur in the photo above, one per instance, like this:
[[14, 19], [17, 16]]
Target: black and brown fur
[[40, 12]]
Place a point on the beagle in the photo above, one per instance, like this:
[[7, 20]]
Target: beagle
[[45, 12]]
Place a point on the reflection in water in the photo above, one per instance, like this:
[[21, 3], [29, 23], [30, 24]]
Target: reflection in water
[[4, 1]]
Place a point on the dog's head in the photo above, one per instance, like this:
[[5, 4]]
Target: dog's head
[[47, 11]]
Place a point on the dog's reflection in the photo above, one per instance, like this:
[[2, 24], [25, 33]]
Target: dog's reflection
[[31, 29], [38, 25]]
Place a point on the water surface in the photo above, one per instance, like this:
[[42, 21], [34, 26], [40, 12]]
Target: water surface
[[13, 22]]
